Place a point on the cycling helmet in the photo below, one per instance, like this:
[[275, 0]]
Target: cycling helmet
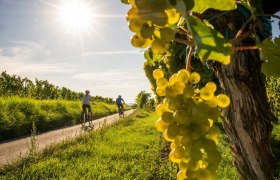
[[120, 96], [87, 91]]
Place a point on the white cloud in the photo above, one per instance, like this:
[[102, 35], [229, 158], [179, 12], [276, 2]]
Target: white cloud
[[24, 57]]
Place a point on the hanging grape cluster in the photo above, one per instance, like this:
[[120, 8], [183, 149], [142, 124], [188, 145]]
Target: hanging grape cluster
[[152, 23], [186, 120]]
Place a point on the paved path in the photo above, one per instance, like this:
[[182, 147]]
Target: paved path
[[11, 151]]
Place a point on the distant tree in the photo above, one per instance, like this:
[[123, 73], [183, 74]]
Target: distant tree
[[142, 99]]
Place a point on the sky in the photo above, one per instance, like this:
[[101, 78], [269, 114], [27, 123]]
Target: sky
[[36, 43]]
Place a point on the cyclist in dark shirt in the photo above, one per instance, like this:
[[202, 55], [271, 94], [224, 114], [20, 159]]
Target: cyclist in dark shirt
[[119, 101]]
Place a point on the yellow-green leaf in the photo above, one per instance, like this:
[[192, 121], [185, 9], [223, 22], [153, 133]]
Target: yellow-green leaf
[[211, 45], [270, 53], [224, 5]]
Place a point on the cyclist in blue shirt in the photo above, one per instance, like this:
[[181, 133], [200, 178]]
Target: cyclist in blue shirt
[[119, 101], [86, 102]]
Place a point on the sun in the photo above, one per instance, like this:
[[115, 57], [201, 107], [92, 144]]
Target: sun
[[76, 15]]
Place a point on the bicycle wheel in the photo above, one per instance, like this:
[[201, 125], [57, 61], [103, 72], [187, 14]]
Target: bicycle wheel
[[90, 120], [122, 113], [83, 119]]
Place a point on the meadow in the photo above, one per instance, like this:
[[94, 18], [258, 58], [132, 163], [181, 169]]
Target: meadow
[[128, 149], [17, 115]]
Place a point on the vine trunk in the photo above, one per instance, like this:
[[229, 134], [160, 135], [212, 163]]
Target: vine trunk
[[248, 120]]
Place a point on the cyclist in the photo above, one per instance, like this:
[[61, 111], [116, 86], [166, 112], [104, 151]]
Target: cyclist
[[119, 101], [86, 102]]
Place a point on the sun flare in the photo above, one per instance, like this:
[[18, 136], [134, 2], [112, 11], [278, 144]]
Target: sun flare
[[76, 15]]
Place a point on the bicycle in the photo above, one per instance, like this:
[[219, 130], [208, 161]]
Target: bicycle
[[86, 116], [121, 112]]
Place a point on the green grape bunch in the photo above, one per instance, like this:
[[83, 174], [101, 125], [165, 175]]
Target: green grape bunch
[[186, 120], [152, 22], [186, 113]]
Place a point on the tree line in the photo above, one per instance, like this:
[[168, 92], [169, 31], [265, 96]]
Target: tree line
[[14, 85]]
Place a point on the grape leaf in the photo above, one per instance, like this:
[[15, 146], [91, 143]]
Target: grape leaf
[[211, 45], [247, 4], [147, 56], [125, 1], [270, 53], [224, 5]]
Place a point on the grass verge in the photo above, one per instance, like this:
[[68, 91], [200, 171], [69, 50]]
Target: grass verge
[[129, 149], [18, 114]]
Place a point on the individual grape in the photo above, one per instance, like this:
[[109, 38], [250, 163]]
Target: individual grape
[[158, 73], [183, 76], [208, 145], [194, 78], [192, 167], [161, 126], [165, 136], [162, 82], [214, 157], [181, 117], [214, 131], [181, 175], [172, 130], [140, 42], [132, 14], [183, 130], [206, 93], [183, 166], [146, 30], [188, 91], [158, 46], [195, 155], [200, 111], [159, 18], [179, 152], [173, 16], [213, 113], [160, 91], [212, 86], [170, 92], [173, 158], [136, 24], [172, 103], [167, 34], [186, 140], [223, 100], [173, 79], [177, 141], [178, 87], [213, 102], [167, 117], [161, 108]]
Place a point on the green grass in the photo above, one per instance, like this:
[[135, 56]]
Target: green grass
[[17, 115], [275, 143], [130, 149]]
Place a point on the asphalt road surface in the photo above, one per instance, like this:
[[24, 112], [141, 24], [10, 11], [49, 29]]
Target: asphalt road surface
[[13, 150]]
